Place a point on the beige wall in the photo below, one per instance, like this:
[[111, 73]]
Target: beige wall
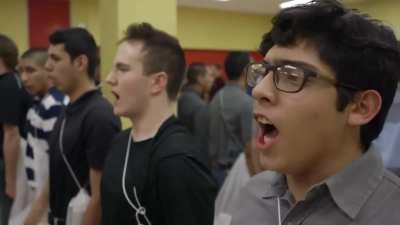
[[14, 21], [386, 10], [213, 29], [161, 14], [196, 28], [86, 13]]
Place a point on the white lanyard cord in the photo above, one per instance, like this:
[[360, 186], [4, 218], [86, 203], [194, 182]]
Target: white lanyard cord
[[140, 210], [279, 210], [71, 171]]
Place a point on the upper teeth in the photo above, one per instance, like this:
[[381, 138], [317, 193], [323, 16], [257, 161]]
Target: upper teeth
[[262, 120]]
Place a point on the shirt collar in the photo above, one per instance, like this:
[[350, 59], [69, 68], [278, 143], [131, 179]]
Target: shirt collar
[[82, 100], [38, 99], [350, 188], [53, 90], [277, 187], [189, 88]]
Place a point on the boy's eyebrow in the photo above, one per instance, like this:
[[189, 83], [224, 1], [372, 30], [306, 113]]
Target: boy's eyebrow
[[297, 63], [121, 65], [53, 56], [29, 67], [300, 64]]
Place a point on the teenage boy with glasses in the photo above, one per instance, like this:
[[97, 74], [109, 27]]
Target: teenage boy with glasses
[[322, 94]]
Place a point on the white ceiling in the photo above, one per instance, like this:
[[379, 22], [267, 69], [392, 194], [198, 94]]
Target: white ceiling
[[246, 6]]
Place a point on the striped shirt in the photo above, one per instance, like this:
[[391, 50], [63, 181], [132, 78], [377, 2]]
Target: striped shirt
[[41, 118]]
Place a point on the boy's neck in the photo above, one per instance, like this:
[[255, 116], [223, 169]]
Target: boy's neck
[[300, 183], [82, 87], [146, 125]]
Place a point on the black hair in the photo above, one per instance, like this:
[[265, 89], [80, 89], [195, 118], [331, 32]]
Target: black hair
[[361, 51], [8, 52], [38, 54], [235, 62], [163, 53], [194, 70], [77, 41]]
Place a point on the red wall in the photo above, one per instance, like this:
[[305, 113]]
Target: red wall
[[44, 16]]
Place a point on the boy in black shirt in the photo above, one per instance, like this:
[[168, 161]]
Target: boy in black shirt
[[152, 175], [83, 132], [15, 102]]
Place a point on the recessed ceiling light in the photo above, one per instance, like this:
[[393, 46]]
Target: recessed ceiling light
[[222, 0], [292, 3]]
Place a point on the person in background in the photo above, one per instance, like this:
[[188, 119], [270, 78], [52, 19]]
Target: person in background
[[388, 141], [246, 166], [322, 93], [191, 101], [230, 117], [15, 102], [218, 80], [192, 108], [41, 118]]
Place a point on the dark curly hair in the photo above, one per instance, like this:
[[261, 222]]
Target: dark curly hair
[[361, 51]]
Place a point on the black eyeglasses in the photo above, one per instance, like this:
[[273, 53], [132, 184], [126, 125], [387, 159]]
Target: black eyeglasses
[[287, 78]]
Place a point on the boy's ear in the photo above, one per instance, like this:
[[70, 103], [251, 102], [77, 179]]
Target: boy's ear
[[159, 82], [365, 106], [81, 63]]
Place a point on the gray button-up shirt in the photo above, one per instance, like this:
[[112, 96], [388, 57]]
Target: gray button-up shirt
[[363, 193]]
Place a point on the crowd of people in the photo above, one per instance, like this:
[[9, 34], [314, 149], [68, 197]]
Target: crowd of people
[[307, 135]]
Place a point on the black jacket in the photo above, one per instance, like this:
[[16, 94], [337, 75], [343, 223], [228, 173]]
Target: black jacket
[[194, 199], [176, 187]]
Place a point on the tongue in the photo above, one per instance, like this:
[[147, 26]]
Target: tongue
[[267, 139], [261, 136]]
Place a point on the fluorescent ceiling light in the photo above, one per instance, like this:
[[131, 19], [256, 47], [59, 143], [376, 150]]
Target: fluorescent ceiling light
[[222, 0], [293, 3]]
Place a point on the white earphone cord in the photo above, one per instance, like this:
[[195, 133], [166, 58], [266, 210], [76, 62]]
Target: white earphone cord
[[69, 167], [279, 211], [138, 211]]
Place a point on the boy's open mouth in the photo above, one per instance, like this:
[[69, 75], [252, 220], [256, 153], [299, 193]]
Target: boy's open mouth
[[267, 132]]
